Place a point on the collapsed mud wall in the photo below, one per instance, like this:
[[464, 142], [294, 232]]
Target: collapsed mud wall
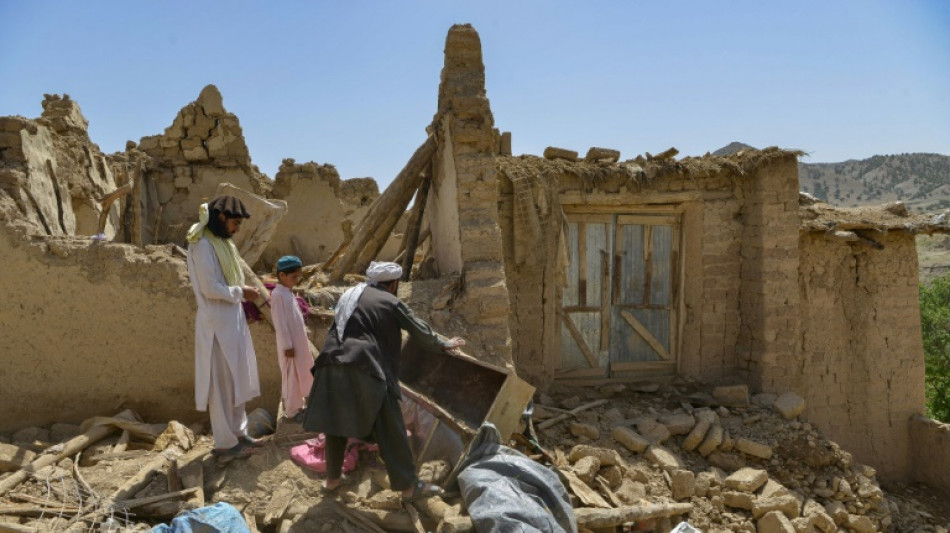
[[53, 172], [323, 211], [204, 146], [462, 206], [88, 328], [930, 452], [861, 369]]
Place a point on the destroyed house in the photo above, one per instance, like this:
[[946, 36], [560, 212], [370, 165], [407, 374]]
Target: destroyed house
[[563, 268]]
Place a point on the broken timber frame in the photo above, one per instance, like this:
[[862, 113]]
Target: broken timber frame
[[376, 227]]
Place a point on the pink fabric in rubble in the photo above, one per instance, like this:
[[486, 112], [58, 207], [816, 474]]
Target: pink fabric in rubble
[[312, 454]]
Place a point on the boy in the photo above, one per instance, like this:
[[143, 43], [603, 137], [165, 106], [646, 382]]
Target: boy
[[293, 351]]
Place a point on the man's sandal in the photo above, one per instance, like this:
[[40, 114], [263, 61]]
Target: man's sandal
[[422, 490], [237, 451], [252, 441], [327, 492]]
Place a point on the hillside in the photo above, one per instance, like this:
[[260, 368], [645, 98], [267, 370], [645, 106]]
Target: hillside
[[921, 181]]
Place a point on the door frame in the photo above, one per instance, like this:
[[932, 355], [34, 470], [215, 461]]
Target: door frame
[[625, 371]]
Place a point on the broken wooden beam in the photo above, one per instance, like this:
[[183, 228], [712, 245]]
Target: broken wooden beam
[[58, 452], [414, 225], [374, 229], [573, 412], [106, 205], [140, 479], [592, 518]]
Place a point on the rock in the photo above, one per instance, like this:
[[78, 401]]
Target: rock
[[816, 514], [664, 458], [552, 152], [59, 432], [30, 435], [606, 456], [602, 154], [571, 403], [586, 468], [803, 525], [772, 488], [613, 416], [837, 512], [13, 457], [774, 522], [631, 492], [613, 475], [630, 439], [729, 462], [580, 429], [696, 436], [790, 405], [683, 484], [732, 395], [746, 479], [860, 524], [755, 449], [764, 399], [788, 504], [653, 431], [738, 500], [679, 423], [612, 389], [712, 441]]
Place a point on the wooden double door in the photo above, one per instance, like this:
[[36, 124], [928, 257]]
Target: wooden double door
[[619, 306]]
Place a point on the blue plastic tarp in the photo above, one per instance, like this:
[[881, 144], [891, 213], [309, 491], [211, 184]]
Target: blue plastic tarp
[[217, 518]]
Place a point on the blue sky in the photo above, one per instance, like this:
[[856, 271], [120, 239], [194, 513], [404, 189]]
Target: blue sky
[[355, 83]]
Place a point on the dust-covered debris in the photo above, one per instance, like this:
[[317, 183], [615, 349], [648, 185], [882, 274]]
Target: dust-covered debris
[[786, 472]]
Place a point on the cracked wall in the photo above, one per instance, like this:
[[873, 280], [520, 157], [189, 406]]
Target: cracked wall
[[90, 328], [862, 367]]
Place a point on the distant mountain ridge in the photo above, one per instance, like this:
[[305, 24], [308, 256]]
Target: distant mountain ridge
[[921, 181]]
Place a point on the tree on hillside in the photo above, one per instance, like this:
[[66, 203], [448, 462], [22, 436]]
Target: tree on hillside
[[935, 326]]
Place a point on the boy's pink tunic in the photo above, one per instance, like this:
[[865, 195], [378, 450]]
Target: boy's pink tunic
[[296, 379]]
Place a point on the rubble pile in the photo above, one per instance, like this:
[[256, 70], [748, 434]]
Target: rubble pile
[[634, 457], [745, 464]]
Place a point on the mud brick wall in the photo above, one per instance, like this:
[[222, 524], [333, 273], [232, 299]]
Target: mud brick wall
[[119, 333], [862, 367], [323, 210], [767, 348], [465, 189], [930, 452]]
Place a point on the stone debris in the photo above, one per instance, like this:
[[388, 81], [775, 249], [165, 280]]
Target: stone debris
[[790, 405], [605, 155], [552, 152]]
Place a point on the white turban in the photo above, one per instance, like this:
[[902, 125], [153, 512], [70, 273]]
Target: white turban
[[376, 273], [383, 271]]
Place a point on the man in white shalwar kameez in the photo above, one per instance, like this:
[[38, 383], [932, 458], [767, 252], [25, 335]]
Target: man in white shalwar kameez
[[226, 375]]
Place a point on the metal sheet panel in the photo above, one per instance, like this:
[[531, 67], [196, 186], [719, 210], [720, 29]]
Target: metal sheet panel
[[569, 296], [631, 263], [661, 282], [598, 249]]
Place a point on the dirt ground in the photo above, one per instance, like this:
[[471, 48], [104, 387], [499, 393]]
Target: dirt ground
[[277, 495]]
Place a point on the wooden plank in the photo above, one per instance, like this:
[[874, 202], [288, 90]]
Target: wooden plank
[[647, 262], [580, 373], [579, 339], [374, 229], [644, 366], [604, 301], [633, 202], [645, 334], [506, 410], [582, 263], [648, 220]]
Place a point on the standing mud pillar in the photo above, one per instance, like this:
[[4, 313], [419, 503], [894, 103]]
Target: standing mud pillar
[[463, 200]]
